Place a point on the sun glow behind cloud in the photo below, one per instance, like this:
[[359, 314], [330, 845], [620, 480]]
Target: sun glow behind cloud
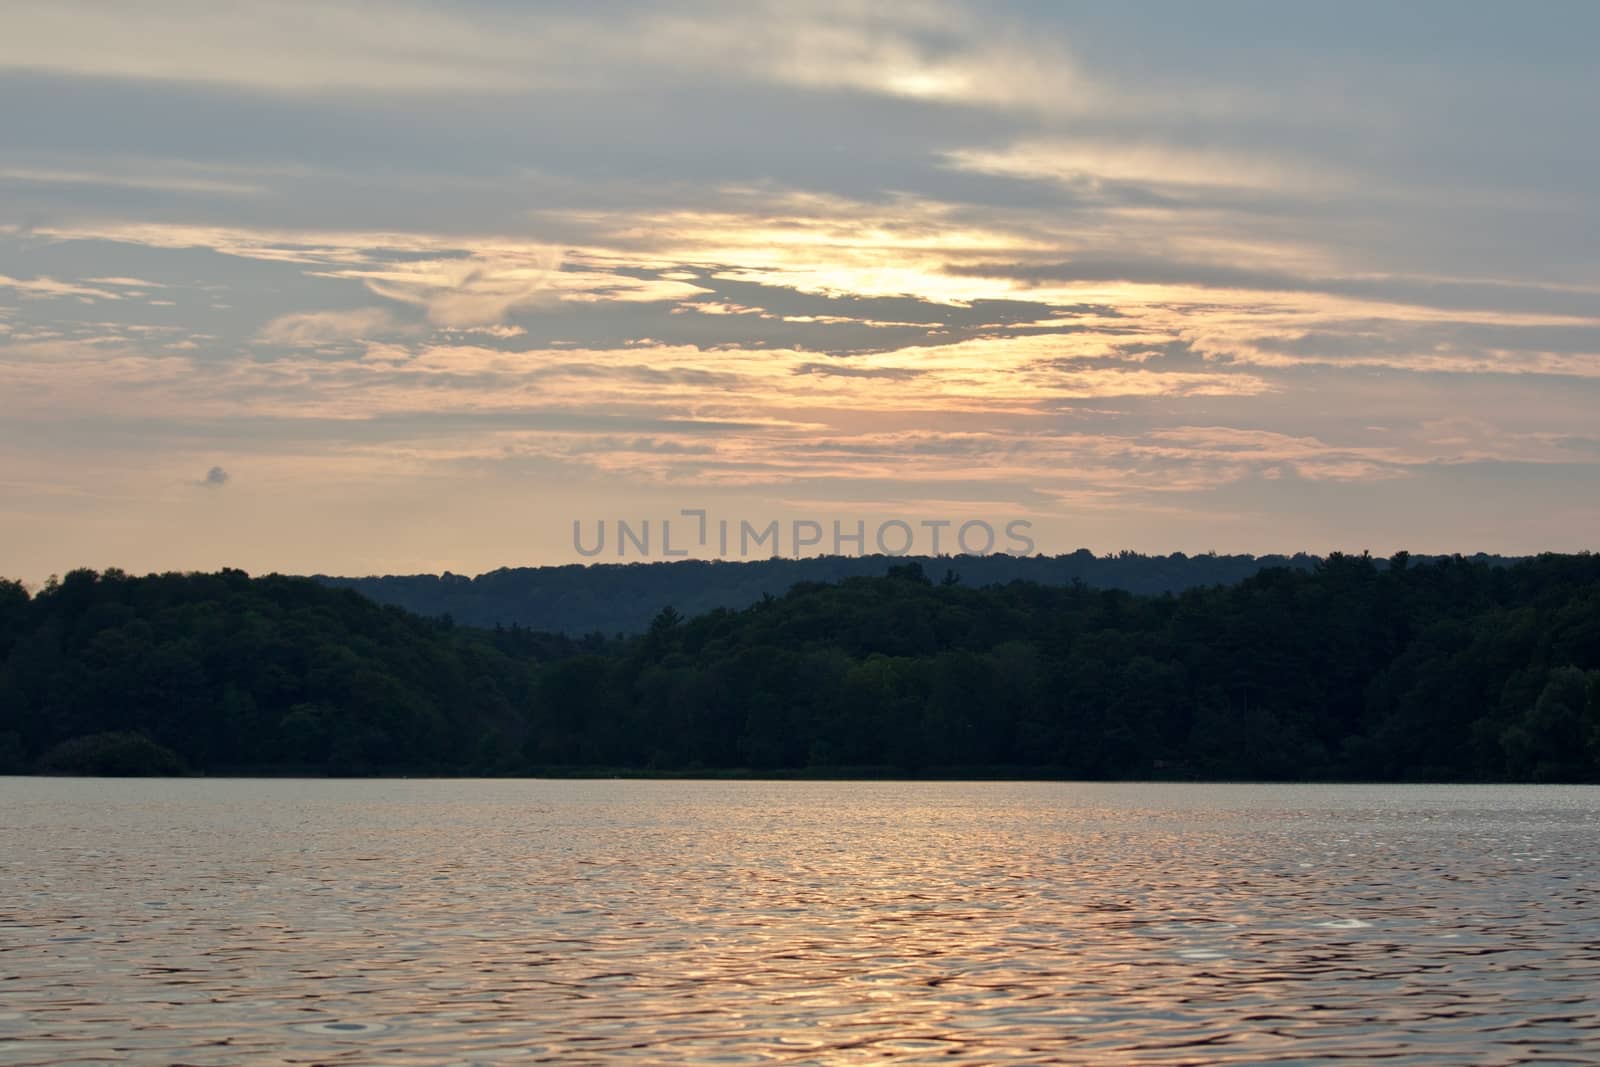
[[782, 258]]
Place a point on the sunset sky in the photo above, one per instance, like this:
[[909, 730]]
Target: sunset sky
[[355, 288]]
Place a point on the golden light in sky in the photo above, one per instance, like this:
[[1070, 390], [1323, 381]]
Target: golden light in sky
[[496, 268]]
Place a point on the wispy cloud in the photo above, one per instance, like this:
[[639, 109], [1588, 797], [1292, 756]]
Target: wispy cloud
[[1151, 276], [45, 287], [312, 328]]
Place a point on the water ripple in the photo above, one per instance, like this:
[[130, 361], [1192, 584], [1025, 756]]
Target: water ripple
[[250, 922]]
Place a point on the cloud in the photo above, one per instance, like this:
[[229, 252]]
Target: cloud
[[913, 51], [845, 370], [309, 329], [156, 182], [1442, 294], [1090, 258], [128, 283], [1094, 163], [45, 287], [466, 292], [302, 46]]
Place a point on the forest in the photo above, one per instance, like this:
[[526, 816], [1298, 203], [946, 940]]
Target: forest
[[1348, 669]]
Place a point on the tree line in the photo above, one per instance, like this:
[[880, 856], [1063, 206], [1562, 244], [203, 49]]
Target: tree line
[[1351, 668]]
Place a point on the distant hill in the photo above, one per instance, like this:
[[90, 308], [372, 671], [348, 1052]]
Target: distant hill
[[622, 598]]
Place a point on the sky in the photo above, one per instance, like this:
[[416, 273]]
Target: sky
[[346, 287]]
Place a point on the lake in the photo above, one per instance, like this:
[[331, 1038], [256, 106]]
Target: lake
[[206, 921]]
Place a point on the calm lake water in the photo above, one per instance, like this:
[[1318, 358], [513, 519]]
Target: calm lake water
[[400, 922]]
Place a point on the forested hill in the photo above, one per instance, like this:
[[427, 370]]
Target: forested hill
[[622, 598], [1452, 669], [613, 598], [224, 672]]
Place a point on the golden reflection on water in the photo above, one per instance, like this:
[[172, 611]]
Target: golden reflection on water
[[423, 922]]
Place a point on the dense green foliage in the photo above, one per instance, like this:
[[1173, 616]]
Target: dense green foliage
[[235, 673], [1452, 669], [124, 755]]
